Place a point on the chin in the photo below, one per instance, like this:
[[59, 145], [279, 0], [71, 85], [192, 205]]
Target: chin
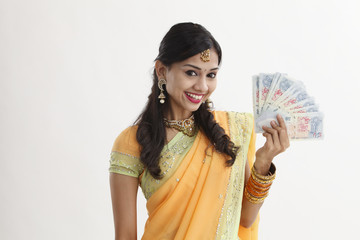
[[194, 108]]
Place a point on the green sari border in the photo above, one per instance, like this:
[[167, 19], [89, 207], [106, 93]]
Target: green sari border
[[240, 127]]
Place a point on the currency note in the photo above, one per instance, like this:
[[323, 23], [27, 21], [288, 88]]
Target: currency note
[[282, 84], [255, 83], [265, 81], [302, 104], [306, 126], [312, 108]]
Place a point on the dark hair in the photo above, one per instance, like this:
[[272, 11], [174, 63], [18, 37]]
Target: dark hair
[[182, 41]]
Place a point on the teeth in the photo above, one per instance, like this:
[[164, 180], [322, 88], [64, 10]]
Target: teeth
[[194, 96]]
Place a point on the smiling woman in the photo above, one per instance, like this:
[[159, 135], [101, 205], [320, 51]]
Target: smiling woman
[[192, 163], [188, 83]]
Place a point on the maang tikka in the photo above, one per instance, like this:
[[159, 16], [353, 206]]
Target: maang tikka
[[205, 55], [162, 97]]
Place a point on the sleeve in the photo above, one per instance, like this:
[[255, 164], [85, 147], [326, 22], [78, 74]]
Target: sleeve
[[125, 154]]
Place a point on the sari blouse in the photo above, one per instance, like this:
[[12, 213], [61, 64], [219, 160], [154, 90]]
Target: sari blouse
[[198, 196]]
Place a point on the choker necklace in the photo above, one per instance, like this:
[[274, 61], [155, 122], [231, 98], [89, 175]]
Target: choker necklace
[[186, 126]]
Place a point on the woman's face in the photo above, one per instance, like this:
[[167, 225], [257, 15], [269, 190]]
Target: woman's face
[[189, 83]]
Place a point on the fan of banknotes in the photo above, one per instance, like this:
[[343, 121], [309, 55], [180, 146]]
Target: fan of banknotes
[[280, 94]]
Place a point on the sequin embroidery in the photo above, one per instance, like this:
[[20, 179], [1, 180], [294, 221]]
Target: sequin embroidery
[[229, 220]]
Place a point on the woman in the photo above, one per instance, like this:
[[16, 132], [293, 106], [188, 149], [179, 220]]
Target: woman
[[195, 166]]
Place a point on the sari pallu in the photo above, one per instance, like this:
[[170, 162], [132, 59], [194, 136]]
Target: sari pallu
[[202, 199]]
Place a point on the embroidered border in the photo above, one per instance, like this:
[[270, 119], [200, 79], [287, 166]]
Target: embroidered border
[[229, 219]]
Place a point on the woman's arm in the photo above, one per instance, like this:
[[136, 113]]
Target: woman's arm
[[123, 195], [277, 141], [249, 211]]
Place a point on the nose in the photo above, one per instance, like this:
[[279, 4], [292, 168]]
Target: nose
[[201, 84]]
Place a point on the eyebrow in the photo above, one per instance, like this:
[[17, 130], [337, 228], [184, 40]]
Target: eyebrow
[[189, 65]]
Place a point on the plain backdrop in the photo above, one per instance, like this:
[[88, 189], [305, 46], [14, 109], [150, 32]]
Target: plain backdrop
[[75, 73]]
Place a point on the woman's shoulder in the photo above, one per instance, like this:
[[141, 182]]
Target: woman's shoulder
[[126, 142]]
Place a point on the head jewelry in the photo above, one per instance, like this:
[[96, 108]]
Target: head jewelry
[[205, 55]]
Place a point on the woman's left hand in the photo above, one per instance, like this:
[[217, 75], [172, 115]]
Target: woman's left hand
[[277, 141]]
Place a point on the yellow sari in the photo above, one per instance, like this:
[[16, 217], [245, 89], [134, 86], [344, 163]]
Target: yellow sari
[[201, 198]]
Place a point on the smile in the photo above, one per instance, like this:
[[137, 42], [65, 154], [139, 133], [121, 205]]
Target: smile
[[195, 98]]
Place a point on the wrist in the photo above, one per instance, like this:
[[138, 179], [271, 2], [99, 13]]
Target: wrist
[[262, 167]]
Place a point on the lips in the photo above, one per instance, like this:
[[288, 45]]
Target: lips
[[195, 98]]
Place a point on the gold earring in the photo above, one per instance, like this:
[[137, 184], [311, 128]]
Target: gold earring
[[209, 103], [162, 97]]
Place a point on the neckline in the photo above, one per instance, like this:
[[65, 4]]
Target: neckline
[[173, 140], [177, 137]]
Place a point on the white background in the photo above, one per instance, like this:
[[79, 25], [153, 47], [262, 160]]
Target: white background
[[75, 73]]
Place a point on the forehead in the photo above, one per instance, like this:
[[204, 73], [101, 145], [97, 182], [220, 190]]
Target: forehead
[[197, 61]]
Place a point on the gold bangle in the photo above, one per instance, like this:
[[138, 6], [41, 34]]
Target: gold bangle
[[252, 199], [260, 186], [263, 183], [272, 172], [256, 190]]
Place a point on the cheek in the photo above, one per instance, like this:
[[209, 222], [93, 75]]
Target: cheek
[[174, 89], [212, 86]]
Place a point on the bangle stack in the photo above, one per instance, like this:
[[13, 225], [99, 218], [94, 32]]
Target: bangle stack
[[258, 186]]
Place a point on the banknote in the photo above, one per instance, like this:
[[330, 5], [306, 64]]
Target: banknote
[[306, 126], [302, 104], [294, 89], [282, 84], [255, 82], [280, 94], [265, 81], [266, 117], [312, 108], [298, 96], [274, 82]]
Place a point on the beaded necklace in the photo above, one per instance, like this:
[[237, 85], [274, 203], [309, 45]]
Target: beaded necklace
[[186, 126]]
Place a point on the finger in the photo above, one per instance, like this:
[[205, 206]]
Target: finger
[[281, 121], [275, 136], [284, 139], [269, 130], [269, 139], [283, 136], [275, 125]]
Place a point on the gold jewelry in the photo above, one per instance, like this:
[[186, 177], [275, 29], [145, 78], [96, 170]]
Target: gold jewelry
[[209, 103], [258, 186], [162, 97], [205, 55], [270, 176], [186, 126]]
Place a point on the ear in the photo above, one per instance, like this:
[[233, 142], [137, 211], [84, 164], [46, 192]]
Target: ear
[[161, 69]]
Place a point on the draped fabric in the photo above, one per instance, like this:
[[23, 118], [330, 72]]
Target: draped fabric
[[201, 198]]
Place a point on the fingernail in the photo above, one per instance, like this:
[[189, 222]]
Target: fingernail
[[273, 122], [280, 116]]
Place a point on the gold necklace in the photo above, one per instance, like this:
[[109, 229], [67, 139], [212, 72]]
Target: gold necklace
[[186, 126]]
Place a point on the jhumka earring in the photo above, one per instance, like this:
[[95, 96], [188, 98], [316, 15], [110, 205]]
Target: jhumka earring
[[162, 97], [209, 103]]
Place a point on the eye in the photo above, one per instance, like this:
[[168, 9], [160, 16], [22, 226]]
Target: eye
[[191, 73], [212, 75]]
